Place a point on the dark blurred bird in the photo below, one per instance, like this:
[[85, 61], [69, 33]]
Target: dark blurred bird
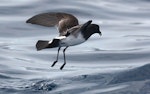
[[70, 32]]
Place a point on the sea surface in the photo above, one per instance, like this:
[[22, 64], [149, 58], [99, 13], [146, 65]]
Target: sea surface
[[118, 62]]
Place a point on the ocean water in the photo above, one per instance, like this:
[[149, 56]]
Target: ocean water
[[116, 63]]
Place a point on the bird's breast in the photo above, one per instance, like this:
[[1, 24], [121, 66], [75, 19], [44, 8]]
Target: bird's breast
[[72, 40]]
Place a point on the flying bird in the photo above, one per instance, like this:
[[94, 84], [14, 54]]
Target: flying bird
[[70, 32]]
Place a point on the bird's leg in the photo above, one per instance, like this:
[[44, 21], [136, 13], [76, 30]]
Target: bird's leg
[[56, 58], [64, 59]]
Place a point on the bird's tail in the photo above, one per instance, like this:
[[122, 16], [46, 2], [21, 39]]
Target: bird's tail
[[43, 44]]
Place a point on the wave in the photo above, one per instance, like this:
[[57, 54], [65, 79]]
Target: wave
[[5, 77], [137, 74]]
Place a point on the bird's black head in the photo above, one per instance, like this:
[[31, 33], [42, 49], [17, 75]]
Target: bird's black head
[[89, 29], [94, 28]]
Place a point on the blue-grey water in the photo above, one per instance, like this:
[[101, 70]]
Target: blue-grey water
[[116, 63]]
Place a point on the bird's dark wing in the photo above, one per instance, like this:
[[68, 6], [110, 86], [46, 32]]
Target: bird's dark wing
[[77, 29], [63, 21], [74, 30]]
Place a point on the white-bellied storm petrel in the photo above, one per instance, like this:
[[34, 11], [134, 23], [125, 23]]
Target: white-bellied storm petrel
[[70, 32]]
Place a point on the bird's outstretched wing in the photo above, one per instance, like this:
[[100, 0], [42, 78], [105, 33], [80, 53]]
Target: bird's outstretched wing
[[63, 21], [79, 28]]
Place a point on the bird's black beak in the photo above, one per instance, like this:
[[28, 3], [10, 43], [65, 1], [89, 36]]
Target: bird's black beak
[[100, 33]]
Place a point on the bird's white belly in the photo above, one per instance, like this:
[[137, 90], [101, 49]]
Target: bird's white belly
[[72, 40]]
